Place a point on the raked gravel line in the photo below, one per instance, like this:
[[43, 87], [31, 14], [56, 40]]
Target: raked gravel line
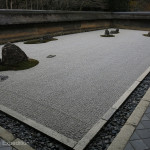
[[72, 91]]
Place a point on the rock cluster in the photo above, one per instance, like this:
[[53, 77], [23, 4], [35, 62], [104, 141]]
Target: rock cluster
[[114, 31], [46, 37], [107, 34], [12, 55]]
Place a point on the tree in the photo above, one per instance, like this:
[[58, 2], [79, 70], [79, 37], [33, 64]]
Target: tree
[[11, 4], [26, 4], [37, 4], [54, 4], [6, 4], [119, 5], [31, 4]]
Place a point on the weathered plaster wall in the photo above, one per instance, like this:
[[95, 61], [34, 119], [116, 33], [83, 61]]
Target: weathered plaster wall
[[21, 25], [131, 20]]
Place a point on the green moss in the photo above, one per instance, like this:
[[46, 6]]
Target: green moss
[[21, 66], [146, 35], [107, 35], [38, 41]]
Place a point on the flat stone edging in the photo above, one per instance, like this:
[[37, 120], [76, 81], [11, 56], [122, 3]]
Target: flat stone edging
[[127, 130], [98, 126], [47, 131], [8, 137]]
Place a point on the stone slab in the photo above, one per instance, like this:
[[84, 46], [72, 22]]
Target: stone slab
[[109, 114], [20, 145], [147, 96], [127, 132], [7, 136], [122, 138], [138, 113], [138, 145], [128, 147], [125, 95], [90, 135], [144, 74]]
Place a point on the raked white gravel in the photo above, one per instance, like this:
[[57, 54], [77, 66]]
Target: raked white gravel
[[72, 91]]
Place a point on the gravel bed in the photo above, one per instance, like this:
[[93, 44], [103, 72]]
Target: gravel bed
[[29, 135], [106, 135], [101, 141]]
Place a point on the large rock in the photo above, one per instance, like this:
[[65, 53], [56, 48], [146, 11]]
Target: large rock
[[46, 37], [107, 32], [114, 31], [117, 30], [12, 55]]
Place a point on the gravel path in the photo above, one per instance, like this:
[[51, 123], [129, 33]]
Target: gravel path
[[71, 92]]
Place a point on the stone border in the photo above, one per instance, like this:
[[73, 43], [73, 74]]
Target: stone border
[[47, 131], [98, 126], [9, 138], [127, 130]]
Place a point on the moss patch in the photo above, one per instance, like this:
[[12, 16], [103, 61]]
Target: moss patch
[[21, 66], [38, 41], [107, 35], [146, 35]]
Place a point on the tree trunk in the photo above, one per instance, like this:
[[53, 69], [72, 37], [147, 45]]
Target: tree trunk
[[81, 6], [37, 4], [6, 4], [42, 4], [11, 4], [31, 5], [26, 4]]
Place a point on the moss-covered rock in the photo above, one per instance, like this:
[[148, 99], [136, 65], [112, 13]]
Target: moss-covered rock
[[148, 35], [12, 54]]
